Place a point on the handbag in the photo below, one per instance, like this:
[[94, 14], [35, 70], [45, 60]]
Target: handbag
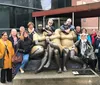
[[2, 60], [17, 58]]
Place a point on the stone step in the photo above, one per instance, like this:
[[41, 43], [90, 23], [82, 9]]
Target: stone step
[[53, 78]]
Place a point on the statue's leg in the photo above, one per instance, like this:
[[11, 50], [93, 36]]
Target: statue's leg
[[77, 59], [43, 61], [65, 53], [37, 52], [50, 54], [57, 58]]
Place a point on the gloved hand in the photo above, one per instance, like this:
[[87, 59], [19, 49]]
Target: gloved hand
[[21, 50]]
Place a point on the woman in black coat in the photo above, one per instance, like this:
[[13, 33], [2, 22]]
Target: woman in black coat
[[97, 48], [24, 47]]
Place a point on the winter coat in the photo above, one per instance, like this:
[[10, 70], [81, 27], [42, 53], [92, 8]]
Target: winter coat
[[8, 55]]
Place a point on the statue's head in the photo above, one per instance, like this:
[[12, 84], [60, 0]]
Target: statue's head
[[40, 27], [50, 22], [68, 21]]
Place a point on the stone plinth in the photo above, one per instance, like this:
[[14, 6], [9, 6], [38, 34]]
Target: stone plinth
[[53, 78]]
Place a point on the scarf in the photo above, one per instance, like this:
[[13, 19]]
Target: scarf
[[30, 31], [83, 48], [93, 38]]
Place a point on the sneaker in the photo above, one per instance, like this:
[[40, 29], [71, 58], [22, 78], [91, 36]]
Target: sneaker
[[64, 69], [21, 70]]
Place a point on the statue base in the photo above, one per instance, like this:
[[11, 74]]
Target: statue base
[[53, 78]]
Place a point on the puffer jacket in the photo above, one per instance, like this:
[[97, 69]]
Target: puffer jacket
[[24, 46]]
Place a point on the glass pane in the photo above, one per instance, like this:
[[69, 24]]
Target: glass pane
[[22, 17], [6, 1], [4, 17], [21, 2]]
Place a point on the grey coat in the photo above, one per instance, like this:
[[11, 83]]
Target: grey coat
[[89, 49]]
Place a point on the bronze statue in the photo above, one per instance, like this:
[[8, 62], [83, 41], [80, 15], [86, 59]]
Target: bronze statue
[[53, 38], [40, 48], [68, 38]]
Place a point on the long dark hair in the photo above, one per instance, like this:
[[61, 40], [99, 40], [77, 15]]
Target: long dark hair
[[27, 33], [3, 33]]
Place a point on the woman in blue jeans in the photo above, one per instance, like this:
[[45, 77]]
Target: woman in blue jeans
[[24, 47]]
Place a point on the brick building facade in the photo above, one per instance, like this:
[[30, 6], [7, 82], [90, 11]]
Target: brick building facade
[[88, 23]]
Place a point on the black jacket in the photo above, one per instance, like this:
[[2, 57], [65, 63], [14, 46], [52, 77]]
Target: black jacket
[[12, 40], [24, 46], [97, 46]]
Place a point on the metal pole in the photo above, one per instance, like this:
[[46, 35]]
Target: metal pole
[[44, 21], [73, 18], [58, 22], [99, 23], [35, 22]]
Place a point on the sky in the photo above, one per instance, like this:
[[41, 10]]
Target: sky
[[46, 4]]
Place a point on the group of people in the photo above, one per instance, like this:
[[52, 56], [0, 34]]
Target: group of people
[[64, 44]]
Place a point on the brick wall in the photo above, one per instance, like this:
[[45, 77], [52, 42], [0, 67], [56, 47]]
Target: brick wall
[[88, 23]]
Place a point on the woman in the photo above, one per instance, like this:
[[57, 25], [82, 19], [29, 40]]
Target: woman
[[31, 30], [24, 47], [14, 39], [93, 36], [85, 52], [21, 31], [88, 36], [97, 49], [7, 49]]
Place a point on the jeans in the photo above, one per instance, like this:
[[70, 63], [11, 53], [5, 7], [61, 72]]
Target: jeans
[[25, 60], [98, 62]]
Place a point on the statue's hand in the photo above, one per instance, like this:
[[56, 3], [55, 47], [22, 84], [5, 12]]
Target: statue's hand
[[47, 39], [36, 42], [49, 33], [67, 31]]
